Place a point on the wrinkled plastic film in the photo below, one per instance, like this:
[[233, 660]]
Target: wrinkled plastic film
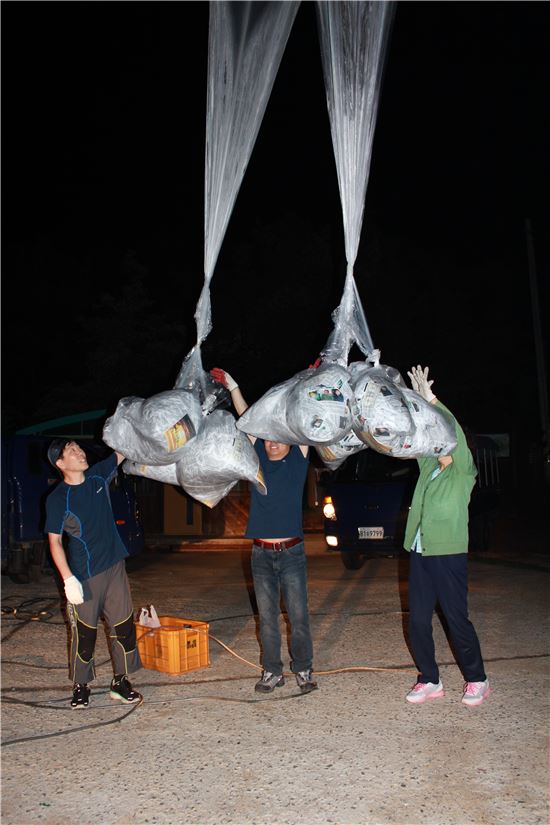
[[394, 420], [350, 325], [154, 430], [217, 459], [193, 378], [353, 38], [245, 46], [313, 407]]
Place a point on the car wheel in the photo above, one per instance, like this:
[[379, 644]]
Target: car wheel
[[352, 559]]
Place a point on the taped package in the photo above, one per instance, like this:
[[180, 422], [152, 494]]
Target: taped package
[[395, 420], [165, 473], [313, 407], [216, 459], [334, 455], [154, 430]]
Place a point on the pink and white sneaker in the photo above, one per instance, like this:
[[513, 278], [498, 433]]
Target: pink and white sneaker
[[476, 692], [423, 691]]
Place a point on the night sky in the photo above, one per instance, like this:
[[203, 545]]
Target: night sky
[[103, 127]]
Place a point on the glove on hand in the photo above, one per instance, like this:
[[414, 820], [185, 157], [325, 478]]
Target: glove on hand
[[73, 590], [316, 363], [223, 378], [420, 383]]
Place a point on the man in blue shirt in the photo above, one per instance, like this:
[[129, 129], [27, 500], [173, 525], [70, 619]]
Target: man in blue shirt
[[278, 554], [93, 568]]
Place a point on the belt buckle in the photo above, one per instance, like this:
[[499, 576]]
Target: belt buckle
[[278, 546]]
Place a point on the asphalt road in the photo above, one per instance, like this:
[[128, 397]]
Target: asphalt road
[[204, 748]]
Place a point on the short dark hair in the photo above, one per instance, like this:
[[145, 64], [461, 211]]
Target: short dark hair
[[55, 450]]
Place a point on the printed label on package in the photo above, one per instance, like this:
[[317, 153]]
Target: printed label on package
[[178, 435]]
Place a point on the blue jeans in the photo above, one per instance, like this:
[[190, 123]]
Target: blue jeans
[[276, 573]]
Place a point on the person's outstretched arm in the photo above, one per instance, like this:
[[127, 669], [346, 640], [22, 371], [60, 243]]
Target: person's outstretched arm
[[230, 384]]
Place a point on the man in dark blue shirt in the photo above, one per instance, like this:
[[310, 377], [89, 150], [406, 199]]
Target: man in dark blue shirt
[[278, 555], [93, 568]]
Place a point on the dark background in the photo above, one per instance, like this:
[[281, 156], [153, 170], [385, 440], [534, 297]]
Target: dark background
[[103, 107]]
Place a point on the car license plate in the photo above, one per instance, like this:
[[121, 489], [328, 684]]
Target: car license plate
[[371, 532]]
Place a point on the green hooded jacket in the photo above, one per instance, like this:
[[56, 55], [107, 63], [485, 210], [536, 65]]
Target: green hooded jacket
[[440, 505]]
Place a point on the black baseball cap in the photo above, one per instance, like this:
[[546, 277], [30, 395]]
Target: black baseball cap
[[56, 449]]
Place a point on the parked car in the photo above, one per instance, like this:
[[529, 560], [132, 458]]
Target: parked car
[[365, 506], [27, 478], [366, 502]]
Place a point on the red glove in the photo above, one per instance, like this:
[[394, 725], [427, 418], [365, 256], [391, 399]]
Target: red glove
[[223, 378], [316, 364]]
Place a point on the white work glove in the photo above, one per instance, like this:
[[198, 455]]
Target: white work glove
[[73, 590], [224, 378], [420, 383]]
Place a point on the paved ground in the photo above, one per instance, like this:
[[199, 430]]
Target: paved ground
[[203, 749]]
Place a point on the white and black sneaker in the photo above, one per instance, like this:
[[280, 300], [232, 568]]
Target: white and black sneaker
[[81, 696], [305, 681], [122, 690], [269, 682]]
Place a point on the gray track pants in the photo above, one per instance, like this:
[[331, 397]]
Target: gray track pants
[[107, 595]]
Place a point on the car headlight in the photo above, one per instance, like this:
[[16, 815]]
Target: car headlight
[[328, 509], [332, 541]]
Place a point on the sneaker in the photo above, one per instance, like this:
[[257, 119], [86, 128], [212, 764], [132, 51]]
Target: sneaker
[[81, 695], [269, 682], [476, 692], [121, 689], [423, 691], [305, 681]]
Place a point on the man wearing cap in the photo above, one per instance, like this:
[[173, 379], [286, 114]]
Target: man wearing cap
[[93, 568], [278, 553]]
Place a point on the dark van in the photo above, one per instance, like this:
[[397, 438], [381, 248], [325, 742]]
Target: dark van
[[27, 478], [367, 499]]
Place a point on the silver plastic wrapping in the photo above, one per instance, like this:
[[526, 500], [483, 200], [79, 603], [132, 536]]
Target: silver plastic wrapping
[[395, 420], [165, 473], [154, 430], [313, 407], [219, 456], [334, 455]]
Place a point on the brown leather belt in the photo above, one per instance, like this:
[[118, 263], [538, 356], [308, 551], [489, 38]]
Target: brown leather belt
[[277, 546]]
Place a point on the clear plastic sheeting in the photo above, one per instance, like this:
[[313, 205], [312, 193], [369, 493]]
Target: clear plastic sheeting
[[350, 326], [154, 430], [216, 459], [313, 407], [353, 38], [395, 420], [193, 378], [245, 46]]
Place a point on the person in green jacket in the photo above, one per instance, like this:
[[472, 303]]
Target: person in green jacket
[[436, 537]]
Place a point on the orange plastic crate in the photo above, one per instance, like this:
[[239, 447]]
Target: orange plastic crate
[[177, 646]]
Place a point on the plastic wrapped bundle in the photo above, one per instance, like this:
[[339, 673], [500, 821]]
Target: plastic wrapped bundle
[[218, 457], [266, 418], [333, 455], [434, 433], [395, 420], [313, 407], [319, 405], [165, 472], [154, 430]]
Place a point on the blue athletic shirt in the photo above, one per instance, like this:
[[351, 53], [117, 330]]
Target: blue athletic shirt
[[84, 512], [279, 513]]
